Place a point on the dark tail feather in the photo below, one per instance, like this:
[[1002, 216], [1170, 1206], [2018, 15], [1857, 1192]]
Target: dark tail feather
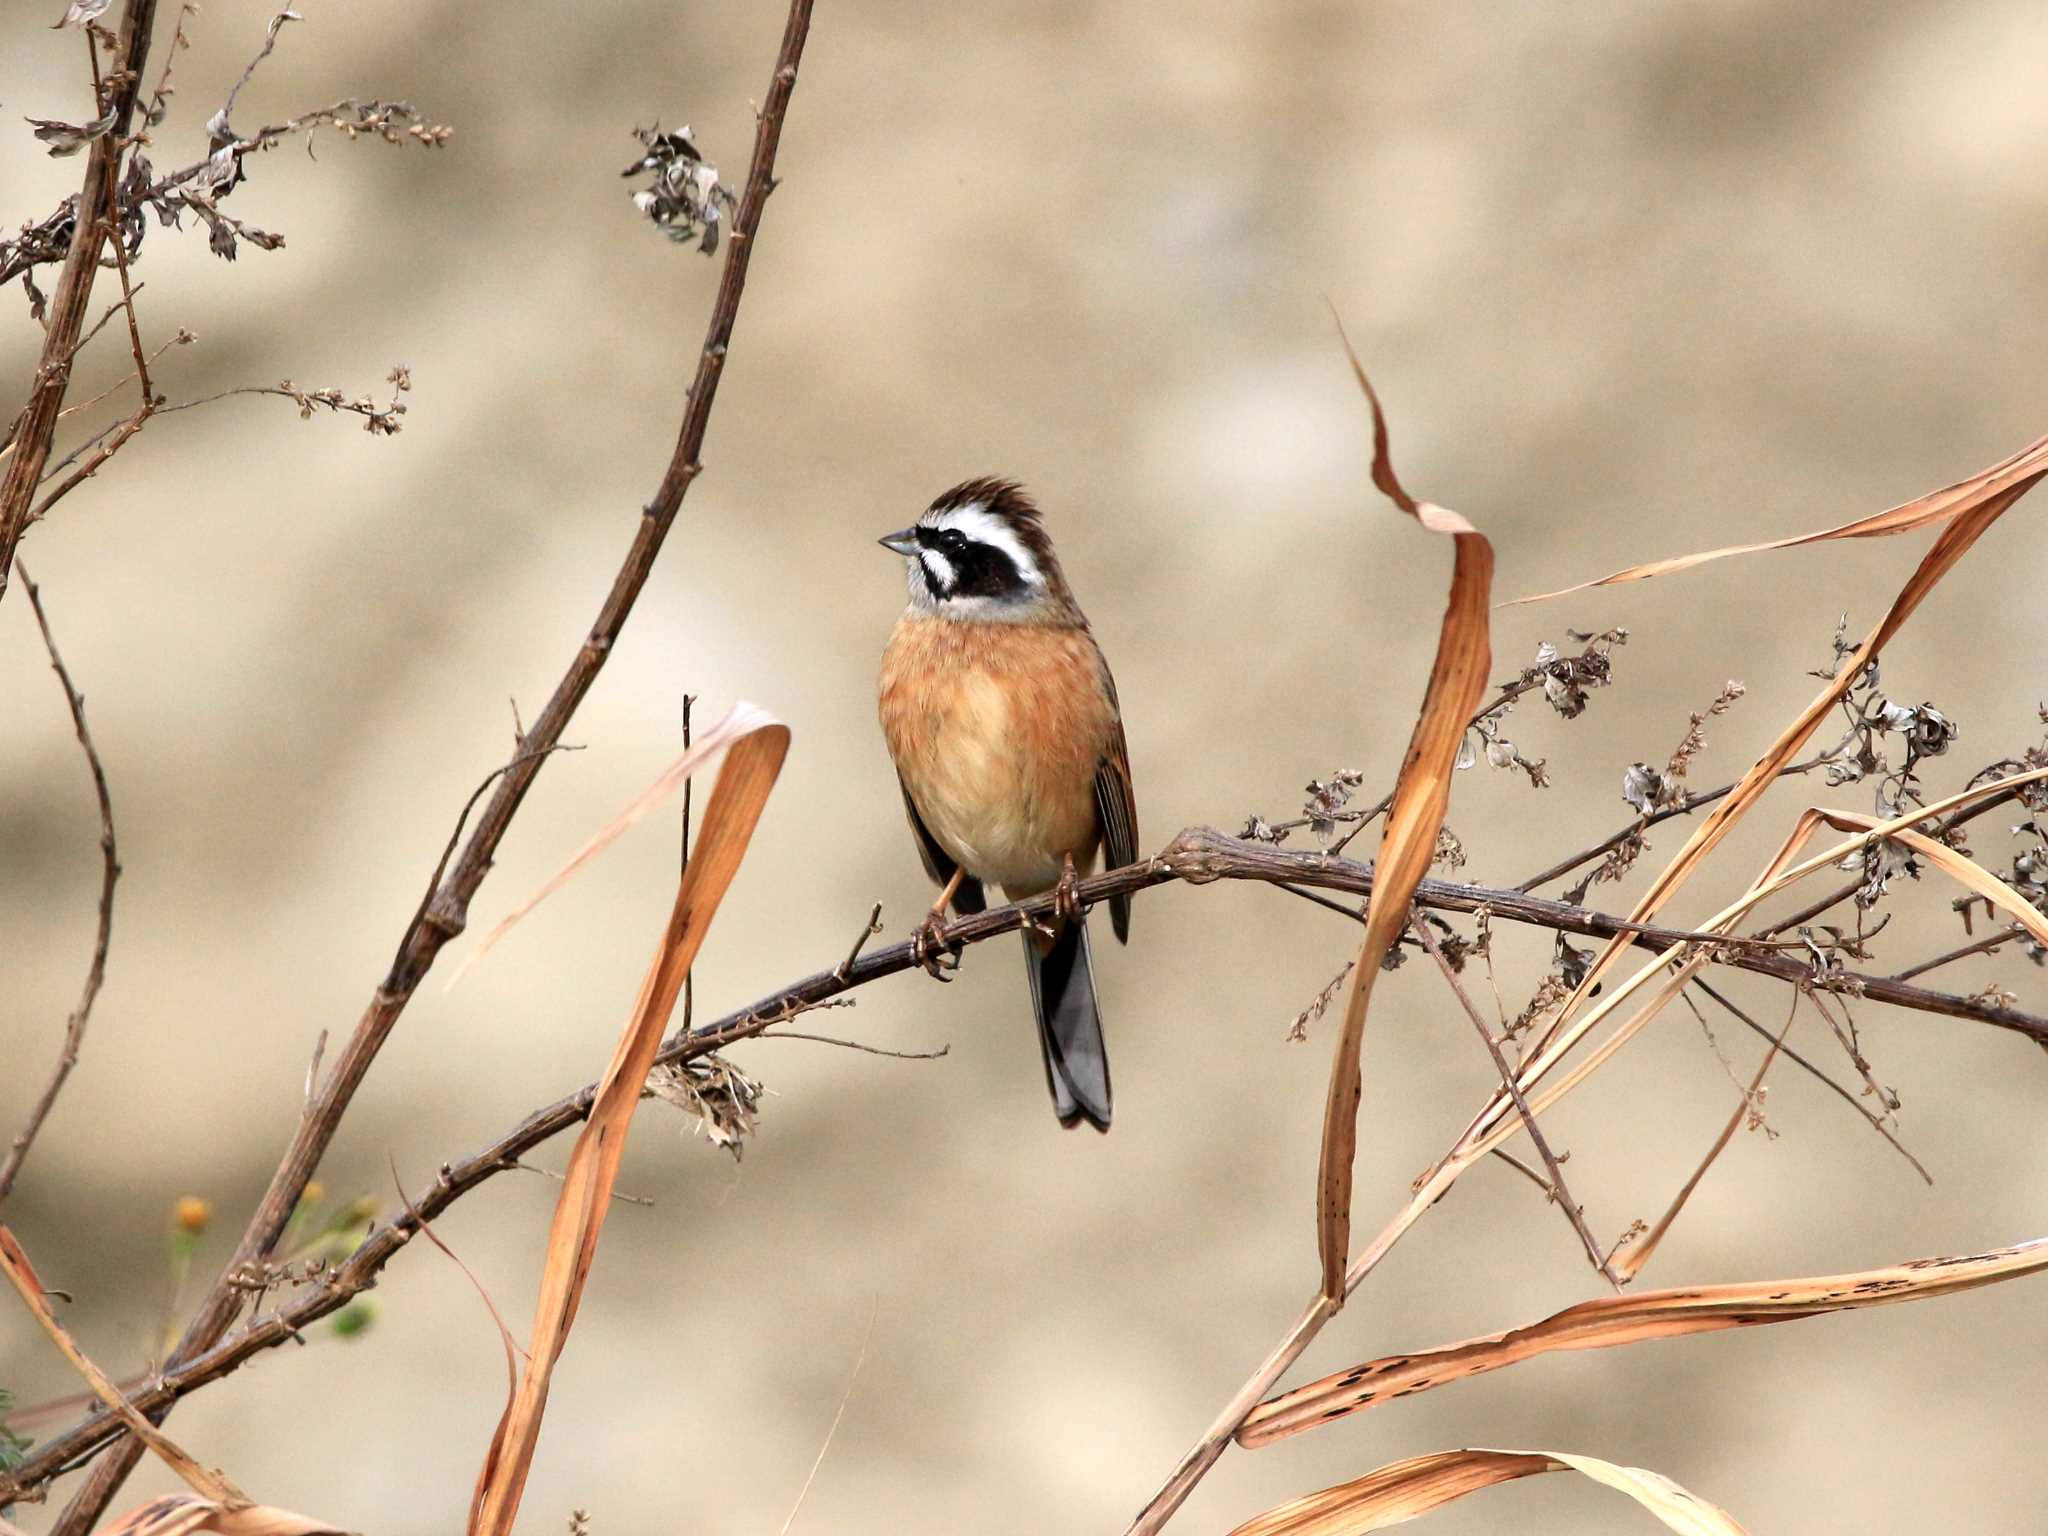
[[1069, 1027]]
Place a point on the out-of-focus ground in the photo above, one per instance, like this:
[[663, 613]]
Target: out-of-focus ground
[[1632, 280]]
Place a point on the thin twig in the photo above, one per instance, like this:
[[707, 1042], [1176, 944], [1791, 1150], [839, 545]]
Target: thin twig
[[617, 1194], [1572, 1209], [1982, 946], [854, 1045], [868, 930], [1641, 824], [269, 42], [447, 912], [37, 424], [1745, 1107], [110, 871], [844, 1398], [1875, 1122]]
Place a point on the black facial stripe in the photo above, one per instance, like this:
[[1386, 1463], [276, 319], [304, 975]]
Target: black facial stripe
[[979, 570]]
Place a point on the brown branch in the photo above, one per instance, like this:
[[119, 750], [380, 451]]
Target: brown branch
[[1572, 1209], [38, 422], [447, 913], [1643, 823], [1982, 946], [1876, 1122], [1199, 856], [96, 972]]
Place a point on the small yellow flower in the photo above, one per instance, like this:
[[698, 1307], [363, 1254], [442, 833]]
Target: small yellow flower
[[193, 1213]]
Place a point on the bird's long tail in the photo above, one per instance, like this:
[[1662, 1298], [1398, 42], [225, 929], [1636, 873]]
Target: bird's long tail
[[1070, 1026]]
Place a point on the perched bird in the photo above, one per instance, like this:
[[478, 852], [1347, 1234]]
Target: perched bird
[[1002, 718]]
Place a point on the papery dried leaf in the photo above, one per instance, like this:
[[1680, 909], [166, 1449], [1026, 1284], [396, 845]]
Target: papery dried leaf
[[180, 1514], [1406, 1489], [755, 745], [1421, 797], [1632, 1318], [1935, 507], [1965, 510], [1781, 873], [211, 1484], [738, 721], [69, 138], [79, 12]]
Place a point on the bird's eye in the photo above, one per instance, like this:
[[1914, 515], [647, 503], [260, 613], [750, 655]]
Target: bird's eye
[[952, 541]]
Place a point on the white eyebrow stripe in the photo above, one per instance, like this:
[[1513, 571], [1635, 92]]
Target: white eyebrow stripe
[[977, 523]]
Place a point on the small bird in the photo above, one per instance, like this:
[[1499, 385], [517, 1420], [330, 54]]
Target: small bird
[[1002, 717]]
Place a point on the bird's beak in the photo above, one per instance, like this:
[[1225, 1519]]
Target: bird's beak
[[904, 543]]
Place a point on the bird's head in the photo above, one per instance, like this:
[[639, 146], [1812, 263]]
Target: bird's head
[[981, 552]]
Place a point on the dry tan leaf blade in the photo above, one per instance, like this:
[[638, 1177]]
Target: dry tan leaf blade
[[212, 1485], [1971, 506], [1935, 507], [1421, 795], [1405, 1489], [180, 1514], [1782, 873], [707, 746], [756, 745], [1630, 1319]]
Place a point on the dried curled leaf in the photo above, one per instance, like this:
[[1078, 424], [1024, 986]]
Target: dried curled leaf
[[1926, 511], [755, 745], [686, 201], [79, 12], [1631, 1319], [1422, 795], [1406, 1489], [69, 138], [180, 1514]]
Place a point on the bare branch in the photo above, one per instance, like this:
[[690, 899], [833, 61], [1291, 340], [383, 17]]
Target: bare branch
[[1572, 1209], [38, 422], [96, 972]]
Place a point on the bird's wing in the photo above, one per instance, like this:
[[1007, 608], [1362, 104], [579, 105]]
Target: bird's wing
[[1116, 810], [937, 862]]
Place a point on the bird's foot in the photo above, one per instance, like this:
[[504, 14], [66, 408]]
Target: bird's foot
[[1066, 905], [928, 948]]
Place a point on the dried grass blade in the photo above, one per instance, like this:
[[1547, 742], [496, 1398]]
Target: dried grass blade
[[757, 745], [1632, 1318], [1935, 507], [672, 778], [204, 1480], [1406, 1489], [1978, 503], [1630, 1263], [1497, 1122], [1421, 795], [180, 1514]]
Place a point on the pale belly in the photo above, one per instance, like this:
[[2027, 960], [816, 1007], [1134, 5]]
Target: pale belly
[[1000, 760]]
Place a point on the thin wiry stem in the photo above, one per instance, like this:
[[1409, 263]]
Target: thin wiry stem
[[110, 871], [37, 425], [1572, 1209]]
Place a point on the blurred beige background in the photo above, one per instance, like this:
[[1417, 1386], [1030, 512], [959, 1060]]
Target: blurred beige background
[[1633, 279]]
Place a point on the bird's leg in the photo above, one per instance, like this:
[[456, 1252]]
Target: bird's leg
[[1066, 906], [926, 946]]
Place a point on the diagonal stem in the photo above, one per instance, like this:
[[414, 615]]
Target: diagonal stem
[[1572, 1208]]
